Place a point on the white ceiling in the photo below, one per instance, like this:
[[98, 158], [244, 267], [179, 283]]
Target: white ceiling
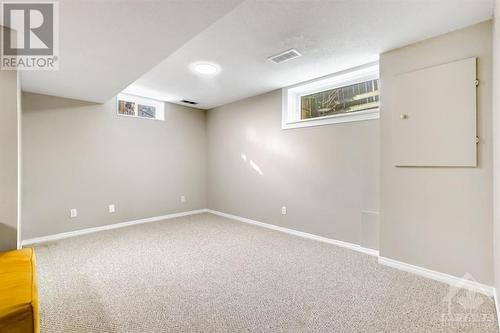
[[332, 35], [107, 44]]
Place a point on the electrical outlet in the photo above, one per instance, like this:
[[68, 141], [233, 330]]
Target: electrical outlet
[[183, 198], [73, 212], [111, 208], [283, 210]]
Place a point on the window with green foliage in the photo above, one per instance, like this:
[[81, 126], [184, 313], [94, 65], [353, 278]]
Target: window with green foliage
[[350, 95], [352, 98], [139, 107]]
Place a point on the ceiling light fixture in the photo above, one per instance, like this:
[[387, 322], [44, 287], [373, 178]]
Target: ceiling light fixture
[[205, 68]]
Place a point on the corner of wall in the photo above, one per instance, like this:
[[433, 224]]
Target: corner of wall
[[496, 149]]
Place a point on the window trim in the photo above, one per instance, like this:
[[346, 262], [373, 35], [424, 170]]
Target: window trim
[[291, 97], [159, 105]]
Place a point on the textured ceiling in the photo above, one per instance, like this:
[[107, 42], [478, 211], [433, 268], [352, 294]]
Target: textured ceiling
[[332, 35]]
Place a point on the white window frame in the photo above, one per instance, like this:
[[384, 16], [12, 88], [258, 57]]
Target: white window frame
[[159, 106], [291, 97]]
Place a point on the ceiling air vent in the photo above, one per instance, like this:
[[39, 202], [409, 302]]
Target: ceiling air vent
[[188, 102], [285, 56]]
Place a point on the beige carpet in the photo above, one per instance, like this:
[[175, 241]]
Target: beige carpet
[[205, 273]]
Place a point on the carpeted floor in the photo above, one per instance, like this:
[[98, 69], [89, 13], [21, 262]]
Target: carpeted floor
[[205, 273]]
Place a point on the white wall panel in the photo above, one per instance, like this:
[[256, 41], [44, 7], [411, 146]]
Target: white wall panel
[[435, 122]]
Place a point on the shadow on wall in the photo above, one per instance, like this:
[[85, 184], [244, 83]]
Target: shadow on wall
[[56, 103], [8, 237]]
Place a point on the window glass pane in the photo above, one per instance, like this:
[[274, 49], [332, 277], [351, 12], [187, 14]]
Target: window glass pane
[[147, 111], [140, 107], [357, 97], [127, 108]]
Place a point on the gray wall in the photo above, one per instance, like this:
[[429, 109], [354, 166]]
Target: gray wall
[[8, 159], [496, 144], [83, 155], [325, 175], [440, 218]]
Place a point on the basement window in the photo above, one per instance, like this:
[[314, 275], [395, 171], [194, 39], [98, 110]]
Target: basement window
[[351, 95], [139, 107]]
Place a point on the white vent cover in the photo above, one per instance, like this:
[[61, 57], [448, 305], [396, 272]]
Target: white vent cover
[[285, 56]]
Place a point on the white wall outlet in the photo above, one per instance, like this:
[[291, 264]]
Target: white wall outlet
[[111, 208], [73, 212], [183, 198], [283, 210]]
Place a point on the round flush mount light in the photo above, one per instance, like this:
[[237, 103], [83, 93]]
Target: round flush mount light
[[205, 68]]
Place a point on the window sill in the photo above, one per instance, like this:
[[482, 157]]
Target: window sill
[[137, 117], [334, 119]]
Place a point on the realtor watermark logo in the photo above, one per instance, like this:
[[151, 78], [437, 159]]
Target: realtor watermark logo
[[31, 39], [467, 306]]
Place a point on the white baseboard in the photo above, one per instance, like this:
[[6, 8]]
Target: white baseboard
[[438, 276], [343, 244], [85, 231]]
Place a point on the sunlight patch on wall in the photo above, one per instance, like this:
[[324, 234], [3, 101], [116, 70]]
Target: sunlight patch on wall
[[252, 164], [270, 143], [256, 167]]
